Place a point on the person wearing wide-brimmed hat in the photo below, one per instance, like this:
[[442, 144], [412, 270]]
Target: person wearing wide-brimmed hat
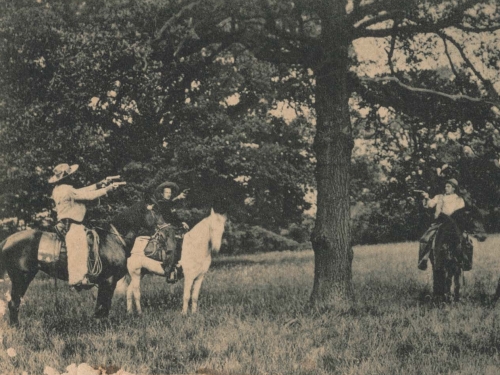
[[165, 197], [162, 201], [70, 209], [444, 204]]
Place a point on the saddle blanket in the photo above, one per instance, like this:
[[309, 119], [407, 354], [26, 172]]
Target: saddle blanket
[[148, 247], [50, 247]]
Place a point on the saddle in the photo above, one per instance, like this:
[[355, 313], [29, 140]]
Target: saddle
[[427, 243], [153, 248], [52, 248]]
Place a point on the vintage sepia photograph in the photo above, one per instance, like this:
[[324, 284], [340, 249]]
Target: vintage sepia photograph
[[249, 187]]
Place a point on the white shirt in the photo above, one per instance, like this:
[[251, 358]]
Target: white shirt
[[68, 200], [447, 204]]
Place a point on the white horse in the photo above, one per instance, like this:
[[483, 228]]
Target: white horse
[[196, 257]]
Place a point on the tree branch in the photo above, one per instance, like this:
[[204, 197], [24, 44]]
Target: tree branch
[[452, 97], [361, 11], [429, 106], [447, 53], [175, 17], [381, 17], [488, 85], [478, 29], [414, 27], [390, 53]]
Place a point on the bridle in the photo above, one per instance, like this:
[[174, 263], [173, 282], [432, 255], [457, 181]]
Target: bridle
[[160, 223]]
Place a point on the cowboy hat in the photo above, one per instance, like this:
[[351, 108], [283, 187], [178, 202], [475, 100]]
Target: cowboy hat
[[167, 184], [62, 171], [453, 182]]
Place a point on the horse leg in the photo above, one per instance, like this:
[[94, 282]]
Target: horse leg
[[131, 295], [497, 292], [20, 283], [188, 284], [104, 297], [134, 267], [448, 279], [196, 292], [438, 281], [134, 292], [456, 281]]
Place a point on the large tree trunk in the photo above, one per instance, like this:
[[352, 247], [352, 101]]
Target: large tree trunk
[[333, 144]]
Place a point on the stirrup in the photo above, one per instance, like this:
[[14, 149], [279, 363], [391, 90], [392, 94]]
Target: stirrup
[[422, 265], [172, 276], [85, 284]]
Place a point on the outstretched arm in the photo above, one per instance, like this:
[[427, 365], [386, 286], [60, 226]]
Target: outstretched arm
[[181, 195], [95, 191], [90, 193], [429, 203]]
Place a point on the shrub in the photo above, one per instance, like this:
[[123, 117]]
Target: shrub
[[247, 239]]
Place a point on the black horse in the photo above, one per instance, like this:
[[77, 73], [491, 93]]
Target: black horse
[[19, 257], [452, 252]]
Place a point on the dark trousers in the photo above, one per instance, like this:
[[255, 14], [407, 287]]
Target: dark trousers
[[174, 246]]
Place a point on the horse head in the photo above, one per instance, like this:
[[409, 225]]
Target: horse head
[[217, 223]]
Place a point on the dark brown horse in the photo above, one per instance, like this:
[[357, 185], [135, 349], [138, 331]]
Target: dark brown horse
[[19, 257], [445, 259], [452, 252]]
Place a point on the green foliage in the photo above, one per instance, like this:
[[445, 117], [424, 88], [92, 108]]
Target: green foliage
[[420, 151], [90, 83], [143, 89], [244, 239]]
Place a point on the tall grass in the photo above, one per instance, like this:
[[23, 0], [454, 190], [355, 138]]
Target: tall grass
[[252, 321]]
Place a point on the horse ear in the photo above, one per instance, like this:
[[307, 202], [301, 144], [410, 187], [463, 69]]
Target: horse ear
[[212, 212]]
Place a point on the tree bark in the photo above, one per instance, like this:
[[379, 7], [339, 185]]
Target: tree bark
[[333, 145]]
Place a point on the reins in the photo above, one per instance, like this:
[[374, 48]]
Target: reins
[[116, 233]]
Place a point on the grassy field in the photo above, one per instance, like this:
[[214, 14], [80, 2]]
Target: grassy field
[[252, 321]]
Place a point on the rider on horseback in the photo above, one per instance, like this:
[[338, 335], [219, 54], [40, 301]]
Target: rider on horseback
[[162, 199], [70, 209], [446, 204]]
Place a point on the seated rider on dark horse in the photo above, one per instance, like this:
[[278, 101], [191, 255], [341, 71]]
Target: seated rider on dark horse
[[445, 204], [70, 208], [164, 202]]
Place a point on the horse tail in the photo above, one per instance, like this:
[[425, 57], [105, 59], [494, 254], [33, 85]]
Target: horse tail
[[122, 285], [217, 223], [2, 261]]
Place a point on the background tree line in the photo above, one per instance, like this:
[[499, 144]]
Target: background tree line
[[87, 83]]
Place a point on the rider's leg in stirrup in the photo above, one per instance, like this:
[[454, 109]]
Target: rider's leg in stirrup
[[77, 247], [174, 274]]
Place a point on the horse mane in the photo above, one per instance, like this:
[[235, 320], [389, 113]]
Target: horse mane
[[447, 234], [130, 218]]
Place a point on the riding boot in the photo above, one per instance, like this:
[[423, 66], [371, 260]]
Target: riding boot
[[175, 272], [86, 284]]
